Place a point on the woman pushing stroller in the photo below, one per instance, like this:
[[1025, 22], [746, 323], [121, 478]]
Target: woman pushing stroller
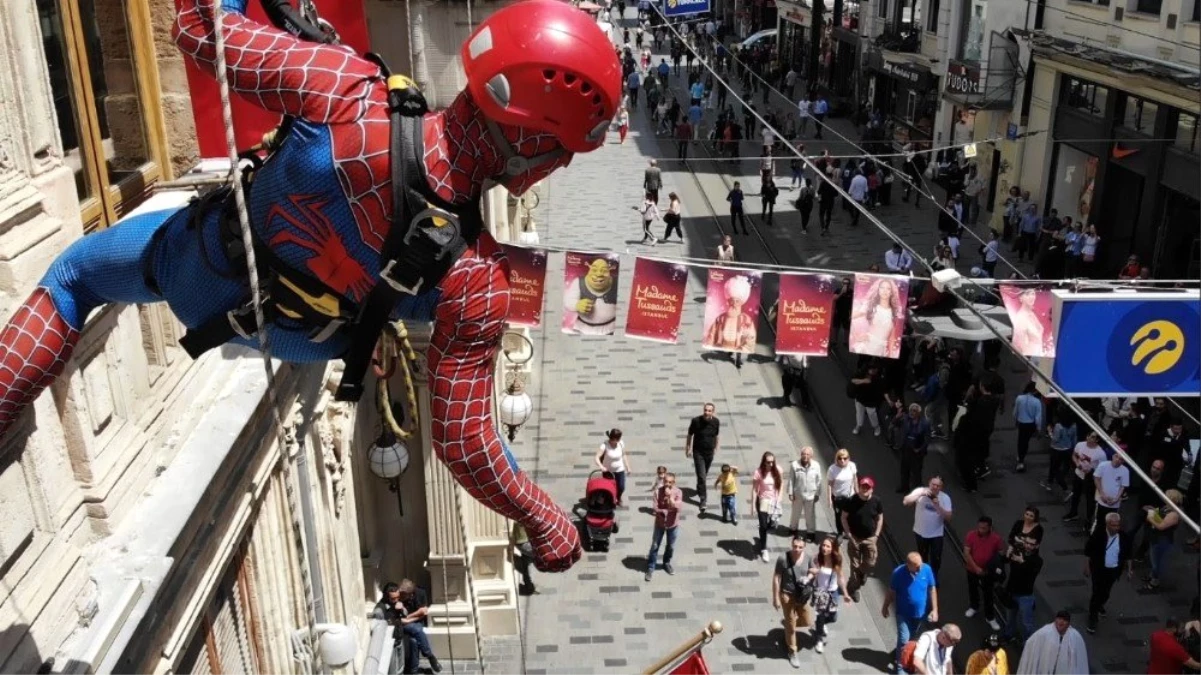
[[611, 458]]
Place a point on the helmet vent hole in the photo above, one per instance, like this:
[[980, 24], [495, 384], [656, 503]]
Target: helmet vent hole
[[596, 99], [586, 88], [569, 79], [549, 74]]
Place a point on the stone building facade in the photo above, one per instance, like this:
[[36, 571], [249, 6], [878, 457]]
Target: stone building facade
[[151, 509]]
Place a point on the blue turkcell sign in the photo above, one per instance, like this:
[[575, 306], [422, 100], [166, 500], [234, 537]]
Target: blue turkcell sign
[[675, 8], [1128, 347]]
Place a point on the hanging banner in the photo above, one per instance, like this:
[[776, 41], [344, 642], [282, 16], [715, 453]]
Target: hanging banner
[[527, 284], [590, 293], [732, 310], [805, 314], [656, 300], [677, 8], [878, 315], [1127, 344], [1029, 309]]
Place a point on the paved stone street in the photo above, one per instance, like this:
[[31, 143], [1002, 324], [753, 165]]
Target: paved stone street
[[613, 620]]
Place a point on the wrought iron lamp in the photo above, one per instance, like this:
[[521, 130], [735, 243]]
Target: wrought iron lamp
[[515, 405], [389, 459]]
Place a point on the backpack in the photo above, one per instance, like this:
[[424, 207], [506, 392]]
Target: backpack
[[907, 656]]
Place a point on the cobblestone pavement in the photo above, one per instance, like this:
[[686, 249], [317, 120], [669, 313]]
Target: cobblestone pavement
[[602, 615]]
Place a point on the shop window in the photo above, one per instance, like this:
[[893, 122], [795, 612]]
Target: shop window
[[1084, 96], [100, 59], [1196, 11], [1139, 114], [1147, 6], [932, 17], [1186, 132]]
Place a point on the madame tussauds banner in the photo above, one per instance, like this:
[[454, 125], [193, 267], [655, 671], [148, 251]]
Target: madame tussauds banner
[[732, 310], [527, 284], [656, 300], [590, 293], [804, 314]]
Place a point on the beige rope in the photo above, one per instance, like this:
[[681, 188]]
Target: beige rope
[[235, 178]]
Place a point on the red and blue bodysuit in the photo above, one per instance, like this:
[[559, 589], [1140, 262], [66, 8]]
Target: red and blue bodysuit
[[323, 204]]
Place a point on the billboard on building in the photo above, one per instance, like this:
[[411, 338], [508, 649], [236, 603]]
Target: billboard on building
[[678, 8], [1127, 343]]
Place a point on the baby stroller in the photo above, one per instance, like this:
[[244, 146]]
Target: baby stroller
[[599, 510]]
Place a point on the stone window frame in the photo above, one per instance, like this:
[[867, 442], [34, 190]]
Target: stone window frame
[[109, 201]]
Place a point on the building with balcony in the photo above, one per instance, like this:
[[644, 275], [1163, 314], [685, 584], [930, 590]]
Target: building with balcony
[[1110, 105], [154, 520]]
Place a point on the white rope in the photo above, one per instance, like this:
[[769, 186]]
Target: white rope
[[235, 178]]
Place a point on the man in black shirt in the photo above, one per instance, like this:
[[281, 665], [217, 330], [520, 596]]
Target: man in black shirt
[[405, 606], [862, 520], [701, 445]]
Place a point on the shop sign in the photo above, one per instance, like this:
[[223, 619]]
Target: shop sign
[[904, 73], [962, 78], [796, 17], [674, 8]]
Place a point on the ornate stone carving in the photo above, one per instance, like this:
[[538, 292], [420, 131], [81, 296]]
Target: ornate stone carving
[[335, 429]]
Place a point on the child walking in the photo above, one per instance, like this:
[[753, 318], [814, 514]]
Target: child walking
[[727, 482]]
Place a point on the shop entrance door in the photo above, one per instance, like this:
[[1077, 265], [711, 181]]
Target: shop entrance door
[[1118, 215], [1178, 245]]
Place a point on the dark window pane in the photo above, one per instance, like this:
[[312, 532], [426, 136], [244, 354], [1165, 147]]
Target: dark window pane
[[1149, 6], [54, 44], [1186, 132]]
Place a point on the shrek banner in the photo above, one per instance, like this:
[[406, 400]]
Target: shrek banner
[[732, 310], [804, 314], [590, 293], [527, 284], [656, 300]]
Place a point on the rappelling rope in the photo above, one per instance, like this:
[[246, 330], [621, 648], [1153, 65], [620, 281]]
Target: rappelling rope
[[235, 179]]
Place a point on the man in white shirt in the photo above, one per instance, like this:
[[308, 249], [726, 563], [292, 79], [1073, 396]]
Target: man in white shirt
[[932, 656], [1086, 456], [858, 192], [1111, 480], [804, 489], [932, 510], [898, 260], [769, 140], [790, 82], [803, 109]]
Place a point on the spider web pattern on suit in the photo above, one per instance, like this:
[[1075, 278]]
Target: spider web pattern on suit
[[41, 345], [468, 328]]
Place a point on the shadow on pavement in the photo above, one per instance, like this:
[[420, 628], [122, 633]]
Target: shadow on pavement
[[872, 658], [770, 646], [773, 402], [636, 563], [740, 548]]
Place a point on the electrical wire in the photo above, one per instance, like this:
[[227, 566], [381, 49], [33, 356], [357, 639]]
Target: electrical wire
[[965, 302]]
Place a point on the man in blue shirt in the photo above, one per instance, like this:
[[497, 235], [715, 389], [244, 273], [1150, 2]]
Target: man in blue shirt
[[664, 70], [694, 118], [1028, 232], [820, 108], [632, 83], [697, 92], [1028, 415], [914, 592]]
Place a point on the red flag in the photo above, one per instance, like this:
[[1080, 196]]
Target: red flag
[[693, 665]]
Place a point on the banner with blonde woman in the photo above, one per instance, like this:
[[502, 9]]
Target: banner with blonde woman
[[1029, 309], [732, 310], [656, 300], [878, 315], [590, 293], [804, 314], [527, 284]]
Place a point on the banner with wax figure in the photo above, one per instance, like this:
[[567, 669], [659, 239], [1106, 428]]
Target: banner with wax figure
[[804, 314], [878, 314], [732, 310], [1029, 309], [656, 300], [527, 284], [677, 8], [1127, 344], [590, 293]]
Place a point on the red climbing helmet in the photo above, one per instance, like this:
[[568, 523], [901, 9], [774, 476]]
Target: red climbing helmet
[[545, 66]]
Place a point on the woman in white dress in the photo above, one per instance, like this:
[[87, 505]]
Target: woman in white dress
[[873, 324], [1028, 333], [612, 458]]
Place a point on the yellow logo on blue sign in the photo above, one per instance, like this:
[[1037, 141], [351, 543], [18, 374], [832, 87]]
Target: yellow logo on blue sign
[[1158, 345], [671, 3]]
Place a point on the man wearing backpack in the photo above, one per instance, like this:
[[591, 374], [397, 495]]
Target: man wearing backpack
[[914, 591], [791, 591]]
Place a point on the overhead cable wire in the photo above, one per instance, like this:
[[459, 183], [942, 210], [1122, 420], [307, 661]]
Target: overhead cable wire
[[965, 302]]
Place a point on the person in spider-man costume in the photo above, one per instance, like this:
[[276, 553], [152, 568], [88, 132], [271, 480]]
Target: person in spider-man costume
[[543, 83]]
